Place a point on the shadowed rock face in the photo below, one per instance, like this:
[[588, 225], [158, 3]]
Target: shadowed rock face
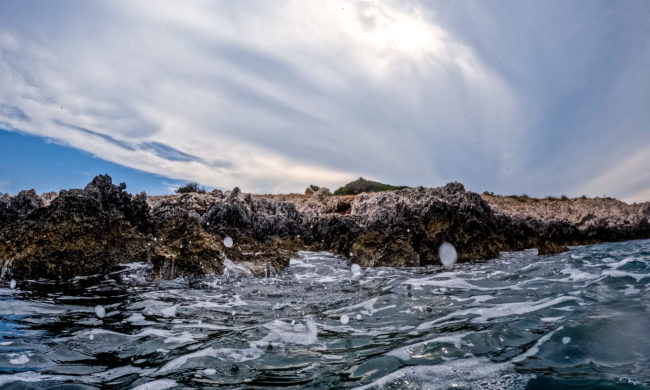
[[13, 208], [552, 224], [83, 232]]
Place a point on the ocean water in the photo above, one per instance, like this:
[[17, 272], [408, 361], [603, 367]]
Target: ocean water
[[577, 320]]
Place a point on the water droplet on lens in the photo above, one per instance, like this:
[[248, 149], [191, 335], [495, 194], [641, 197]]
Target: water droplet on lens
[[227, 242], [12, 284], [100, 311], [566, 340], [359, 317], [344, 319], [448, 255]]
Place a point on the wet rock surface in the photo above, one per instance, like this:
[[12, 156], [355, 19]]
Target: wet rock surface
[[89, 231]]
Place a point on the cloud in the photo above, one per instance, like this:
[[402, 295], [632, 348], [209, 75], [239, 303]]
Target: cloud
[[274, 96], [11, 112]]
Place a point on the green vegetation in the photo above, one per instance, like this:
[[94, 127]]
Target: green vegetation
[[190, 187], [526, 198], [363, 185]]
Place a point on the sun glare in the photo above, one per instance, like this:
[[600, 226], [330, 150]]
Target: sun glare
[[408, 35]]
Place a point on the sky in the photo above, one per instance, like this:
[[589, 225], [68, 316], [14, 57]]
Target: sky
[[542, 98]]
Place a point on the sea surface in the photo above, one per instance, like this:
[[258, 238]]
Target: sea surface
[[577, 320]]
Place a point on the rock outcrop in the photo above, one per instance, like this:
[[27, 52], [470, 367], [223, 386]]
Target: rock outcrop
[[552, 224], [83, 232], [79, 233]]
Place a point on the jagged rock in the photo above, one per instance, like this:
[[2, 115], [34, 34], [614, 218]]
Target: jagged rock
[[553, 224], [182, 248], [88, 231], [412, 223], [12, 208], [234, 194], [81, 232], [373, 249], [48, 197]]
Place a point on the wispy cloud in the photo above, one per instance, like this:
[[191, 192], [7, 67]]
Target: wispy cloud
[[274, 96], [11, 112]]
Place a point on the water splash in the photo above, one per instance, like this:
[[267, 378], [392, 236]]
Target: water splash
[[100, 311], [448, 255], [227, 242]]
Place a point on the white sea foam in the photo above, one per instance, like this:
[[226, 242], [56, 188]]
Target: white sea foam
[[232, 269], [576, 275], [626, 260], [535, 348], [160, 384], [367, 307], [169, 311], [31, 377], [18, 358], [283, 332], [552, 319], [225, 354], [119, 372], [460, 373], [630, 290], [185, 337], [446, 280], [484, 314], [405, 353], [622, 274], [182, 360]]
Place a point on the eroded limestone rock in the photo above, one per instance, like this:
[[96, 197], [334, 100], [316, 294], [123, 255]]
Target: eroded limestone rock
[[88, 231]]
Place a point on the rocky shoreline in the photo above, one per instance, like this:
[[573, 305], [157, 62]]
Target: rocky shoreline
[[89, 231]]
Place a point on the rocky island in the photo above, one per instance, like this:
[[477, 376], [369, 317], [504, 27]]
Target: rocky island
[[89, 231]]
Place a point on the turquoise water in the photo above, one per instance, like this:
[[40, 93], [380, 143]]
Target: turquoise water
[[578, 320]]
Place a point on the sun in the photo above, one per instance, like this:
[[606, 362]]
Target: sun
[[408, 35]]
